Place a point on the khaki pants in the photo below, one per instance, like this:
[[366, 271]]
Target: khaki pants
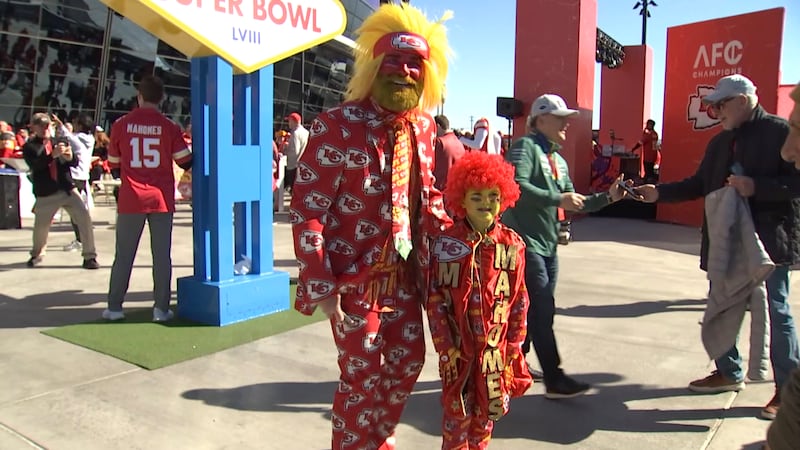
[[45, 209]]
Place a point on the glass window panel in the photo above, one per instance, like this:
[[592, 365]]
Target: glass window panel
[[78, 93], [119, 95], [16, 87], [286, 90], [75, 22], [129, 66], [21, 52], [17, 116], [165, 49], [173, 72], [20, 18], [176, 104], [288, 68], [61, 58], [127, 35]]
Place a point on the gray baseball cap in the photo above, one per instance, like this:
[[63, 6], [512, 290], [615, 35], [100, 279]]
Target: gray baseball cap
[[551, 104], [730, 86]]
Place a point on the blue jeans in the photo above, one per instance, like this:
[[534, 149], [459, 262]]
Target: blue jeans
[[541, 274], [784, 351]]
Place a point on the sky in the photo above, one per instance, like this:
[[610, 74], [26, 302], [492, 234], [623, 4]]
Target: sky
[[482, 33]]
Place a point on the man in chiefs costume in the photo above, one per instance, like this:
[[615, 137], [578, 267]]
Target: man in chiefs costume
[[362, 211], [483, 138], [478, 304]]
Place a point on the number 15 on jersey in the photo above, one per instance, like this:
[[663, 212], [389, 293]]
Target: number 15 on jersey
[[144, 152]]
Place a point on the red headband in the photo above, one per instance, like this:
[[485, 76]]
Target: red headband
[[403, 42]]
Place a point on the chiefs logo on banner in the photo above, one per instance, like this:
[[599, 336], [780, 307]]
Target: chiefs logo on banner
[[698, 55]]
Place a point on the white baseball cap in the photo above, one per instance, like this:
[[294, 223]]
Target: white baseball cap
[[730, 86], [551, 104]]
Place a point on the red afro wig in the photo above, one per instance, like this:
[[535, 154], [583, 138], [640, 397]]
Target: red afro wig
[[480, 170]]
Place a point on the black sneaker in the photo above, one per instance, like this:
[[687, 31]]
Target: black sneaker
[[91, 264], [565, 387], [33, 262]]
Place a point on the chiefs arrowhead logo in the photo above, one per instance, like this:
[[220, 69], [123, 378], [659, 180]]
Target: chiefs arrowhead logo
[[317, 201], [310, 241], [295, 217], [349, 204], [318, 289], [374, 185], [372, 256], [341, 247], [345, 133], [698, 113], [450, 249], [357, 159], [330, 221], [329, 156], [318, 128], [366, 229], [305, 174], [354, 113]]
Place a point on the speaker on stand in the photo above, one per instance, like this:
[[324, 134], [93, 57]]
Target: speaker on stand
[[510, 108]]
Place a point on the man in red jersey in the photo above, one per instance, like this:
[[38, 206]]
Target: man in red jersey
[[363, 209], [144, 143]]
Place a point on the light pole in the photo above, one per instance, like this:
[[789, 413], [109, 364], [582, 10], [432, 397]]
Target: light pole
[[644, 11]]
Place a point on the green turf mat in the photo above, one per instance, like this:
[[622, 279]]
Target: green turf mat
[[139, 341]]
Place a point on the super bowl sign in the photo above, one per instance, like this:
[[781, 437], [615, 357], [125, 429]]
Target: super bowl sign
[[249, 34]]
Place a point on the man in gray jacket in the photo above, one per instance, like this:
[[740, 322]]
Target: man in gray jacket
[[746, 154]]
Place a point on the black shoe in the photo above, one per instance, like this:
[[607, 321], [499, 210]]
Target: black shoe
[[33, 262], [91, 264], [537, 375], [565, 387]]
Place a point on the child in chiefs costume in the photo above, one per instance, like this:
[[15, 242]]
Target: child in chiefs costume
[[478, 305]]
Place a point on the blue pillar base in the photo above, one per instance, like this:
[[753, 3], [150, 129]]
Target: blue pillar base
[[243, 298]]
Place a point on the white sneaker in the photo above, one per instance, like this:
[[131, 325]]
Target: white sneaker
[[73, 246], [113, 315], [162, 316]]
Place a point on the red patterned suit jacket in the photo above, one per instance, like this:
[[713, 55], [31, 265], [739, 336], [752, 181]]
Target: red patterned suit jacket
[[478, 304], [341, 200]]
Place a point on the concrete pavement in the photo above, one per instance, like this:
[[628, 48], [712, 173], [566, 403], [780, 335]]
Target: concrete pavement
[[630, 297]]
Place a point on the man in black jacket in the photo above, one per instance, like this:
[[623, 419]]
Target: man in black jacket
[[50, 161], [746, 154]]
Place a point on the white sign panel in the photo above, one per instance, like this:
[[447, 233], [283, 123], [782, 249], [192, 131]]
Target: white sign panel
[[249, 34]]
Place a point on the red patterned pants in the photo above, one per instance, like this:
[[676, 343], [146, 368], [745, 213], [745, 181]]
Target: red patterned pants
[[380, 359], [468, 432]]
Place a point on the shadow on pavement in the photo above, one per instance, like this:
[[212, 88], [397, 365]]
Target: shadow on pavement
[[637, 309], [605, 408], [532, 416], [55, 309]]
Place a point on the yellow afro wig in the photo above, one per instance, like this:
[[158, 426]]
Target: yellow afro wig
[[393, 18]]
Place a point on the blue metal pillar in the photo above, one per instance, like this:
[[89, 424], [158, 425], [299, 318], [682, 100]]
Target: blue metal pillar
[[232, 197]]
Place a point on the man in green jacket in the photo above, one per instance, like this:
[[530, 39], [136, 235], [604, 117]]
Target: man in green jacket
[[547, 192]]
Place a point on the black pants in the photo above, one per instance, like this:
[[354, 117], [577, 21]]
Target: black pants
[[541, 274], [650, 175], [289, 176]]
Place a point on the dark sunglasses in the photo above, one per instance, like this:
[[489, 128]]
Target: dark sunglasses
[[718, 105]]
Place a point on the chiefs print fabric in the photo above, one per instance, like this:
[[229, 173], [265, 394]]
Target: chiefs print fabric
[[341, 209], [478, 304]]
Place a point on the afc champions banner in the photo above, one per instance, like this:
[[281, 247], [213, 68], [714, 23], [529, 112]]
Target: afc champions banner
[[698, 55]]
